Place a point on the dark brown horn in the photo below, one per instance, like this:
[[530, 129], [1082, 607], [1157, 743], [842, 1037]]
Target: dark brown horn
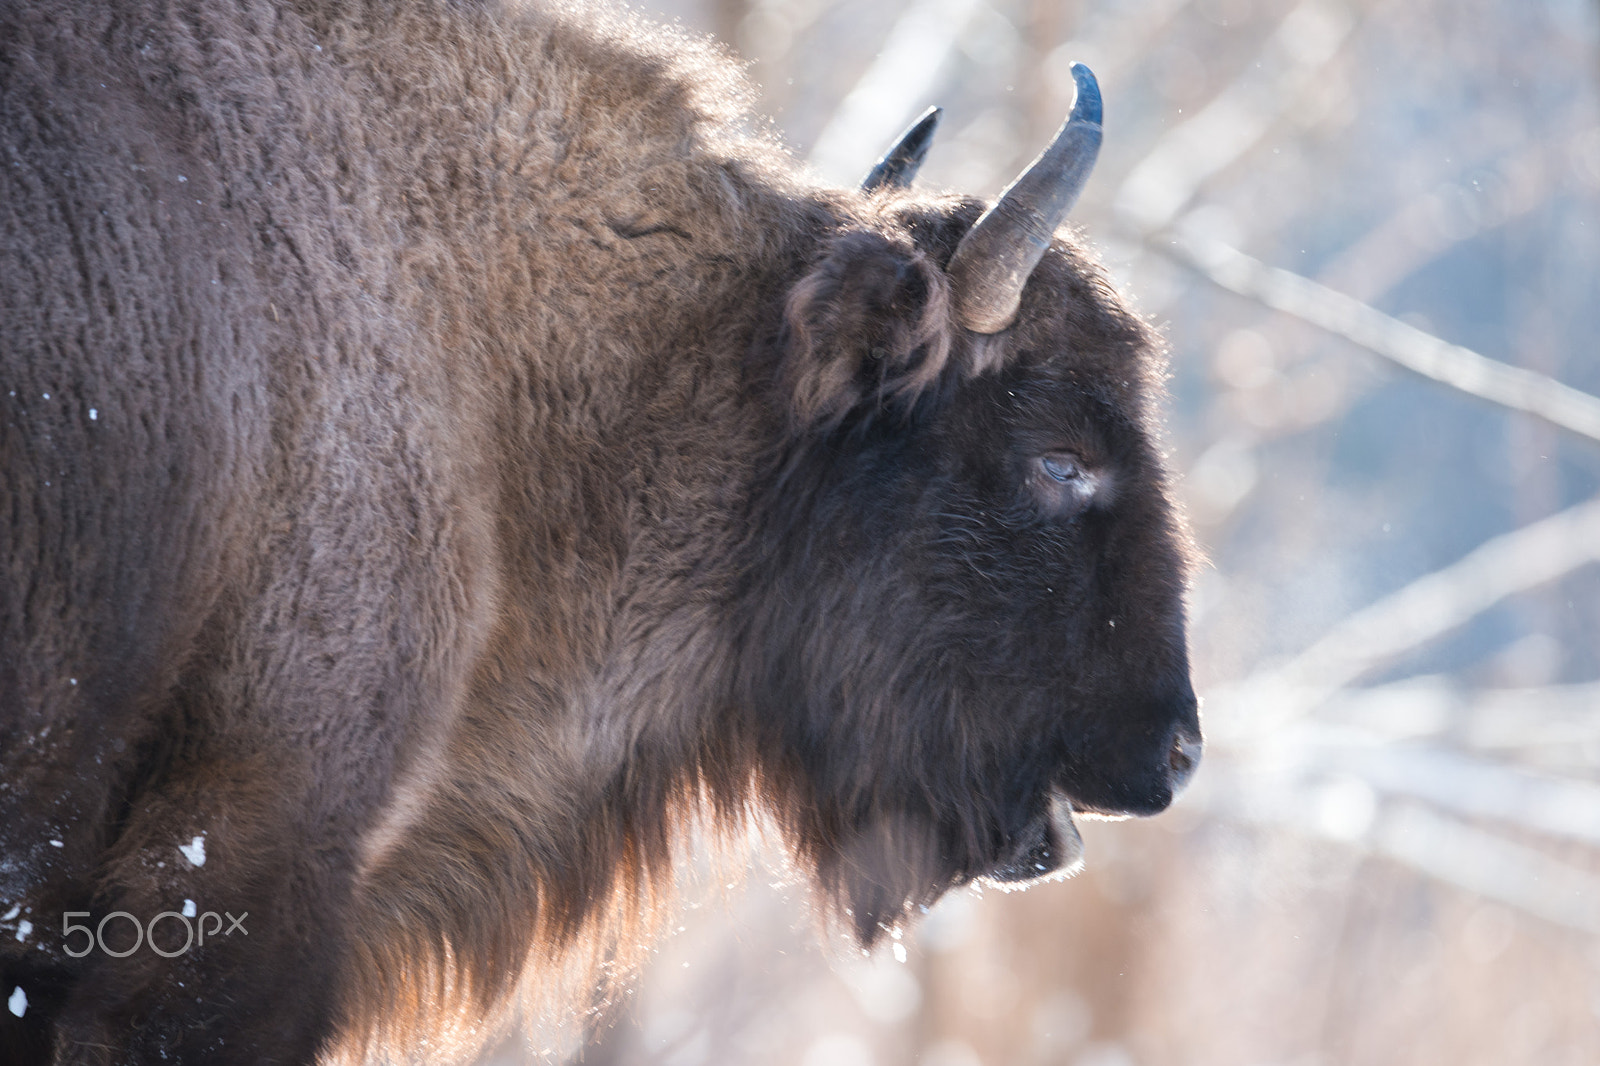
[[901, 162], [994, 259]]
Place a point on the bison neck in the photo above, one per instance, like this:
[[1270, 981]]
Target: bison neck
[[591, 284]]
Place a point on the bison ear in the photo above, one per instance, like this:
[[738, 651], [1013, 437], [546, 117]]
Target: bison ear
[[868, 327]]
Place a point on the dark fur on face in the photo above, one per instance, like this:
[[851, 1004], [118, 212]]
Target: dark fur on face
[[447, 457], [951, 649]]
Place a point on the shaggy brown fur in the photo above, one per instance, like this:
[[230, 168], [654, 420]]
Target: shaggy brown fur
[[442, 450]]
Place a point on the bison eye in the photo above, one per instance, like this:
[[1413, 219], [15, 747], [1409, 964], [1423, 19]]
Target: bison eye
[[1062, 484], [1061, 467]]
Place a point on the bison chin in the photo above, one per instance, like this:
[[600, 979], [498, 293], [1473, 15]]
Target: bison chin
[[879, 874], [1050, 847]]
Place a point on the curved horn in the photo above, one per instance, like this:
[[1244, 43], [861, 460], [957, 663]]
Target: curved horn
[[901, 162], [994, 259]]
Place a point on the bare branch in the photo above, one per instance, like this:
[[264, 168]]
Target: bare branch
[[1112, 39], [1424, 227], [1438, 845], [1416, 614], [895, 85], [1450, 364], [1164, 182], [1560, 719], [1491, 866], [1560, 807]]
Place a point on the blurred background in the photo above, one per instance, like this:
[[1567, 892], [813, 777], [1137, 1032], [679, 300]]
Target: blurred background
[[1370, 230]]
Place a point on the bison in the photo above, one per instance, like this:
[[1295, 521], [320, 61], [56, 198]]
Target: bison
[[448, 452]]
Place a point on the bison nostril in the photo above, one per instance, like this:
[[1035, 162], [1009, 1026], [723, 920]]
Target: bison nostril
[[1182, 760]]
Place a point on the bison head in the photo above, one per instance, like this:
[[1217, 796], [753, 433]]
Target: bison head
[[967, 620]]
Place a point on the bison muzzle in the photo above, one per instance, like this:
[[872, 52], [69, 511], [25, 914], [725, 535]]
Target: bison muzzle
[[446, 456]]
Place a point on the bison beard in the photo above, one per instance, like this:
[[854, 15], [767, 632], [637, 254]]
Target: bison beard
[[446, 455]]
